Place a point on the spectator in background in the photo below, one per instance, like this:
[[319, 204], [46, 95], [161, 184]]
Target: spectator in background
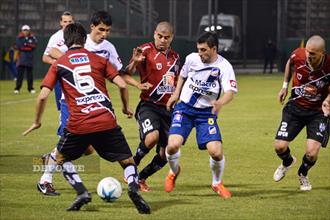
[[10, 59], [269, 55], [25, 43]]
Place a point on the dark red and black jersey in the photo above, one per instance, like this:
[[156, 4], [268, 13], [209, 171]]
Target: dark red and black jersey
[[309, 87], [161, 70], [82, 75]]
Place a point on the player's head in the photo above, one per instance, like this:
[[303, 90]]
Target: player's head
[[101, 22], [207, 46], [66, 18], [26, 30], [315, 50], [163, 35], [74, 34]]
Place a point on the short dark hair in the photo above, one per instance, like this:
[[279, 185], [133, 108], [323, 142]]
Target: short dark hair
[[210, 37], [74, 34], [65, 13], [101, 17]]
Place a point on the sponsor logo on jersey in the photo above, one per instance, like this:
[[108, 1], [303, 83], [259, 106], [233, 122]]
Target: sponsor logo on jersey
[[233, 83], [89, 99], [91, 108], [159, 66], [204, 84], [212, 130], [79, 60]]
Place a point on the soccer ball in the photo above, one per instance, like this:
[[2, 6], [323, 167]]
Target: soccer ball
[[109, 189]]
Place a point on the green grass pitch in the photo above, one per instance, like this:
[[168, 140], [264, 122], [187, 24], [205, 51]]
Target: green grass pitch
[[248, 126]]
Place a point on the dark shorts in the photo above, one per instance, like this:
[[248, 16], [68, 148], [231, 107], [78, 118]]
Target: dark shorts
[[111, 144], [153, 117], [295, 118]]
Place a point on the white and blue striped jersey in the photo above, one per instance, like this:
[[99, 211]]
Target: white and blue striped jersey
[[104, 49], [205, 81]]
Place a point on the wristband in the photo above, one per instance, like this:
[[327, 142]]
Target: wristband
[[285, 85]]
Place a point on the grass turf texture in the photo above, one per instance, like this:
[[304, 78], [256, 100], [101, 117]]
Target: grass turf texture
[[248, 126]]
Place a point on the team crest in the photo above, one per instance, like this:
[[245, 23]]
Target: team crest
[[322, 127], [159, 66], [299, 76], [210, 121], [215, 72]]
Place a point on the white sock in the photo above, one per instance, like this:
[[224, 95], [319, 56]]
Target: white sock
[[173, 161], [131, 174], [50, 169], [217, 168]]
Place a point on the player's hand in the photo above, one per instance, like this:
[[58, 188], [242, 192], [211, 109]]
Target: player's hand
[[326, 107], [128, 111], [171, 101], [282, 95], [216, 107], [138, 55], [144, 86], [34, 126]]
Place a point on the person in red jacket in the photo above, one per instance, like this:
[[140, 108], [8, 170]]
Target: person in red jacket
[[25, 44]]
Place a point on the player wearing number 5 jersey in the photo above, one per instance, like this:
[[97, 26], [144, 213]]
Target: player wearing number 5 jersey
[[308, 106], [92, 120], [158, 67]]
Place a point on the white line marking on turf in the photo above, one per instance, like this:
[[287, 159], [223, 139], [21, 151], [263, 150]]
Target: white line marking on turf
[[16, 101]]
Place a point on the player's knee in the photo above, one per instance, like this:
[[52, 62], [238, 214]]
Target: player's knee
[[89, 150], [280, 146], [151, 139], [59, 158]]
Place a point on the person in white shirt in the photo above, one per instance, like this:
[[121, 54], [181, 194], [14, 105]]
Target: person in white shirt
[[202, 78]]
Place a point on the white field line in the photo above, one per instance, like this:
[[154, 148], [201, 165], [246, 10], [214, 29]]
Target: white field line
[[16, 101]]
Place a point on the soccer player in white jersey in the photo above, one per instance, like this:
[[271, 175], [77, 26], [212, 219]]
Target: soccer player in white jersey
[[96, 42], [202, 77]]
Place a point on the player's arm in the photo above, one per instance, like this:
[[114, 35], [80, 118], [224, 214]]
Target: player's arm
[[176, 94], [326, 105], [40, 108], [223, 100], [120, 83], [287, 77], [131, 81]]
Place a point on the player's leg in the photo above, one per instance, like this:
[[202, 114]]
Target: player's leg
[[112, 146], [180, 129], [148, 127], [45, 185], [71, 147], [159, 160], [45, 181], [289, 128], [29, 77], [20, 77], [317, 136], [209, 137]]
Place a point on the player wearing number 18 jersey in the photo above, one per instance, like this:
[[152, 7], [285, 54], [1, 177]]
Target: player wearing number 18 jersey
[[309, 105]]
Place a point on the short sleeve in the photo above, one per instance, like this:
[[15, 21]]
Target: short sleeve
[[111, 72], [228, 79], [51, 77]]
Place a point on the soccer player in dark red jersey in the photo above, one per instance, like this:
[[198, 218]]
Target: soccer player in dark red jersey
[[158, 67], [92, 120], [308, 106]]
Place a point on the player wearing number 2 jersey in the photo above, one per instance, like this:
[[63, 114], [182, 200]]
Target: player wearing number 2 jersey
[[92, 120], [309, 105]]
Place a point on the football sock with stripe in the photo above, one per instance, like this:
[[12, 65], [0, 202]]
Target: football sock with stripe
[[70, 174]]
